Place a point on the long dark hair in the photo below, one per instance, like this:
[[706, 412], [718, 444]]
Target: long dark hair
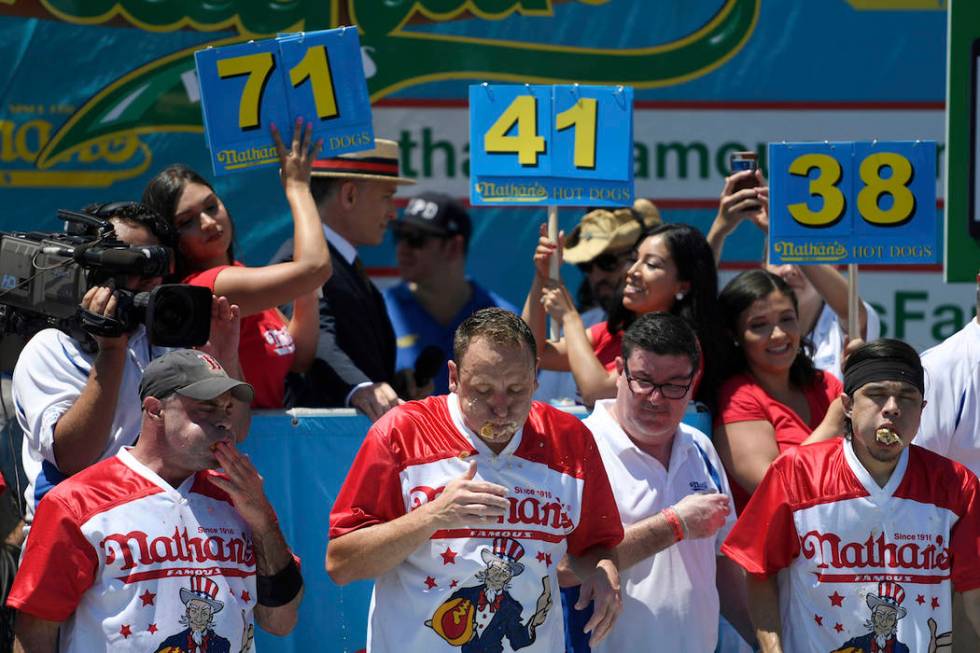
[[162, 194], [695, 264], [740, 293]]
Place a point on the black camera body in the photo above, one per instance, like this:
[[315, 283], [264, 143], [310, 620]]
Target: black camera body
[[44, 276]]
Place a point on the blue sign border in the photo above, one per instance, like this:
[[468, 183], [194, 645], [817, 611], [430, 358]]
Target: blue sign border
[[499, 179], [851, 238]]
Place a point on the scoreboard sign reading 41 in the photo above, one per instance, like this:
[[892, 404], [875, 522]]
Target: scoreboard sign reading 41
[[248, 86], [551, 145], [860, 202]]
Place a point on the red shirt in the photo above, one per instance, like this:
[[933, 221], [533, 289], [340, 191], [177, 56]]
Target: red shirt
[[560, 501], [265, 349], [607, 346], [838, 538], [742, 399]]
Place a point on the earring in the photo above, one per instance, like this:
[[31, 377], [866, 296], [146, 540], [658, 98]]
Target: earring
[[679, 296]]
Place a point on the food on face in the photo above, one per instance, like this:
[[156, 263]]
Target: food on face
[[887, 436]]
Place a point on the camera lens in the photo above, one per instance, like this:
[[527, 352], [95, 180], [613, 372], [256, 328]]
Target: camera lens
[[179, 316]]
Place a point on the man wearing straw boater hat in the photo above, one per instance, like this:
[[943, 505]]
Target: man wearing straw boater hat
[[355, 358]]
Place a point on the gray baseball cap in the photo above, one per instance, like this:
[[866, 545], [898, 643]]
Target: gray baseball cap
[[193, 374]]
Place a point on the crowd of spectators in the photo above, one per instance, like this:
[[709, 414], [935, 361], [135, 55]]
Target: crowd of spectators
[[677, 530]]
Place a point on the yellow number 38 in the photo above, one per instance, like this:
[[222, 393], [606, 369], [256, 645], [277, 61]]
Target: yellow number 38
[[826, 185]]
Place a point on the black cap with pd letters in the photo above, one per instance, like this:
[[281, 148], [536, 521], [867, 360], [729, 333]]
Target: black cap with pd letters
[[437, 213]]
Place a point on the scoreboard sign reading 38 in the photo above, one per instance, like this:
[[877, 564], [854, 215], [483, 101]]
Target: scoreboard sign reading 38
[[248, 86], [853, 202], [551, 145]]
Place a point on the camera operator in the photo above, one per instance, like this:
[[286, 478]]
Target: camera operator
[[77, 404]]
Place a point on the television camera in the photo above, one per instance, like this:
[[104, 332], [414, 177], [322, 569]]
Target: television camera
[[44, 276]]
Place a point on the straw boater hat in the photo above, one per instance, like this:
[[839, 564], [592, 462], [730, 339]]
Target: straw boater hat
[[379, 163], [602, 230]]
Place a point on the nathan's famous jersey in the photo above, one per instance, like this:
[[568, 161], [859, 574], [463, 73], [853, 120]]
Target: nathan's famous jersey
[[859, 562], [489, 587], [130, 563]]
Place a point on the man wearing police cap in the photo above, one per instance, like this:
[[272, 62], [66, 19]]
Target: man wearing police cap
[[839, 517], [435, 296]]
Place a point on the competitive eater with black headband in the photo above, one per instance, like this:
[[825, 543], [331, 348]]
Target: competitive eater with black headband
[[873, 534]]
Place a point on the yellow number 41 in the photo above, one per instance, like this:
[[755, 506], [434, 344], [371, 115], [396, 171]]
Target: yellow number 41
[[527, 144]]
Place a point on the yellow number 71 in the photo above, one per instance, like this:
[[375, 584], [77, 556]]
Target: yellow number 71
[[314, 66]]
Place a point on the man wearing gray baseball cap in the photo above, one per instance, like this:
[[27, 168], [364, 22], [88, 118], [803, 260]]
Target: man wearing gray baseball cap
[[115, 547]]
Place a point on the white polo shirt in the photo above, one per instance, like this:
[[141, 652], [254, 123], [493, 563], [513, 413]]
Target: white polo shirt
[[671, 598]]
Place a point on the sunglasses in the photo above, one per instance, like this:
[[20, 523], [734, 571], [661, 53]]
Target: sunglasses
[[605, 262], [414, 239]]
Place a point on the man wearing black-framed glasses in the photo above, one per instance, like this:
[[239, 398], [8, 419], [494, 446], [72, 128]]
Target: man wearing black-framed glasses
[[435, 295], [672, 495]]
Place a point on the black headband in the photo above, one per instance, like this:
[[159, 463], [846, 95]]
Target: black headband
[[883, 369]]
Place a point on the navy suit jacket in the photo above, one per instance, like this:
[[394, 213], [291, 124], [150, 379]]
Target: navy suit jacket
[[506, 622], [357, 342]]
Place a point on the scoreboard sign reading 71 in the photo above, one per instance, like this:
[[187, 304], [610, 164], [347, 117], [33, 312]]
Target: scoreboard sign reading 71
[[247, 86], [551, 145], [853, 202]]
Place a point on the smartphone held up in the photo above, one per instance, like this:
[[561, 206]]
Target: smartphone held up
[[739, 161]]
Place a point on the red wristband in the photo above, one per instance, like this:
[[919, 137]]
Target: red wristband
[[675, 523]]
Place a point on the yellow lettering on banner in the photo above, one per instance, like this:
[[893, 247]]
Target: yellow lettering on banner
[[526, 144], [823, 186], [903, 203], [582, 116], [315, 66], [32, 132], [7, 153], [258, 67]]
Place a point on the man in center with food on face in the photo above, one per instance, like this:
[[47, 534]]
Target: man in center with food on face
[[461, 506]]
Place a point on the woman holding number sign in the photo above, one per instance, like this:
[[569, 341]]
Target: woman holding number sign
[[271, 346], [672, 271]]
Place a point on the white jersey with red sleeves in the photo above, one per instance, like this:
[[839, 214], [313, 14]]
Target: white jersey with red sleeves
[[858, 562], [490, 588], [129, 563]]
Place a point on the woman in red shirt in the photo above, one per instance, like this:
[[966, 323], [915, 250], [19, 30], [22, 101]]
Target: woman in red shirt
[[773, 398], [271, 346], [673, 271]]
